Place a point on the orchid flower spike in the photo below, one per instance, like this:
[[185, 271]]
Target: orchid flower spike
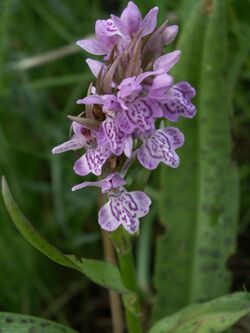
[[133, 90]]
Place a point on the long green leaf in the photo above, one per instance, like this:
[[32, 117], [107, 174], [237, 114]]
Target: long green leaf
[[18, 323], [177, 199], [199, 201], [215, 230], [98, 271], [211, 317]]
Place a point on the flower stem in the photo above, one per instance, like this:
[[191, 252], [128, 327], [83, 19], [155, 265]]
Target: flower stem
[[114, 297], [126, 263]]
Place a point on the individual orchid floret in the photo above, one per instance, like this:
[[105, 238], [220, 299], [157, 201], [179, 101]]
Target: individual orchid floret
[[177, 102], [117, 138], [82, 138], [160, 147], [120, 29], [123, 208], [92, 161]]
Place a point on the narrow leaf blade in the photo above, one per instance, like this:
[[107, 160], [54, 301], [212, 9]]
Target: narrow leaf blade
[[214, 316], [19, 323], [98, 271]]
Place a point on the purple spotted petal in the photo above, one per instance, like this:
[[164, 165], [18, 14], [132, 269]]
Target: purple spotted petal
[[92, 161], [105, 30], [139, 115], [169, 34], [160, 147], [118, 140], [149, 22], [131, 18], [167, 61], [178, 102], [93, 46], [107, 218], [124, 208]]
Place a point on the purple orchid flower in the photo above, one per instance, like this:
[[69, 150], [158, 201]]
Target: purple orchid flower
[[109, 132], [92, 161], [123, 208], [95, 156], [119, 29], [82, 138], [160, 147]]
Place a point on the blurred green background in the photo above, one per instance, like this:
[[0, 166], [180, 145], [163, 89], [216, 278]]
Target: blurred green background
[[42, 74]]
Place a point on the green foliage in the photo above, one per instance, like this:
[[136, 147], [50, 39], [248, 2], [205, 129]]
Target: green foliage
[[211, 317], [100, 272], [177, 202], [199, 201], [17, 323]]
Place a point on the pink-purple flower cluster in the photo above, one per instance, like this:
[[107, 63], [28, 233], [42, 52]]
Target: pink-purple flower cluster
[[132, 91]]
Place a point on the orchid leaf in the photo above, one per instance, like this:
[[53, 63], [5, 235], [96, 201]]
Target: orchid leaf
[[199, 200], [214, 316], [98, 271], [177, 199], [19, 323]]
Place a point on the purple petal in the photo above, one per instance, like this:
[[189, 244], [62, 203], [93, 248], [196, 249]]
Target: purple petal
[[112, 181], [133, 205], [92, 99], [128, 147], [141, 114], [124, 208], [169, 34], [93, 46], [122, 121], [131, 18], [72, 144], [149, 22], [178, 102], [160, 148], [121, 28], [105, 30], [142, 201], [92, 161], [86, 184], [167, 61], [107, 218], [161, 84], [129, 87], [95, 66], [117, 181], [115, 136], [145, 75]]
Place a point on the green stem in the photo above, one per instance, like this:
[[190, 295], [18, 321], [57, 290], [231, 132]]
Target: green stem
[[127, 268]]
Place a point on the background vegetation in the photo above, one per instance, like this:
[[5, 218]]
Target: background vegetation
[[42, 74]]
